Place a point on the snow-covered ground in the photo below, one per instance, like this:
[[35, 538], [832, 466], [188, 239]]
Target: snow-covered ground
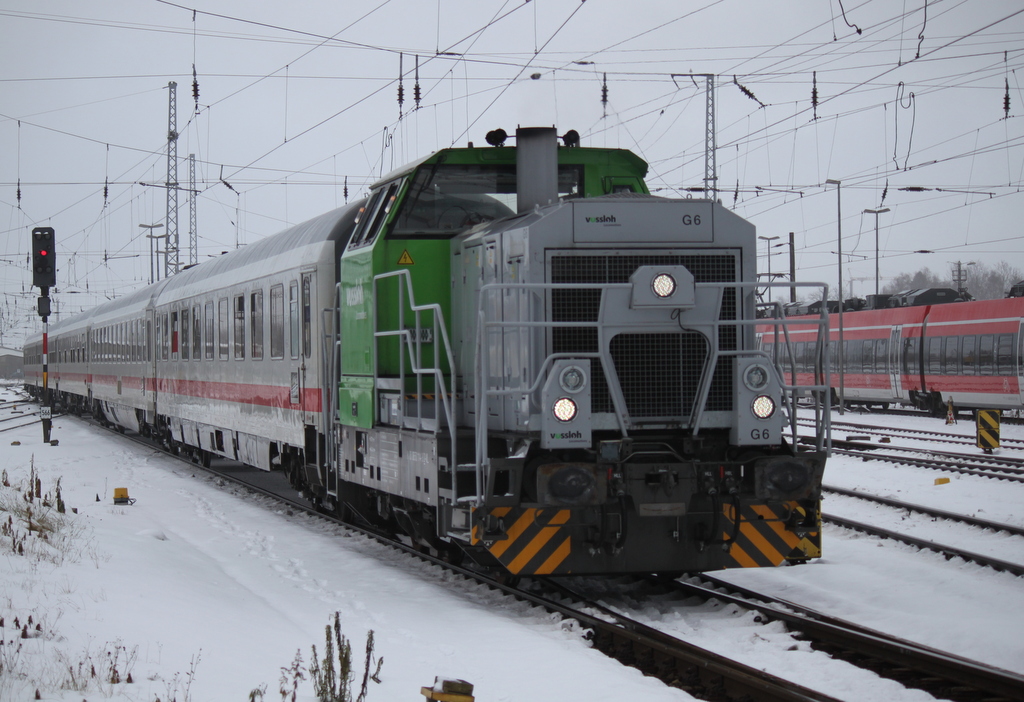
[[203, 593]]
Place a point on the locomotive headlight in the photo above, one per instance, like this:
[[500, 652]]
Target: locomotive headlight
[[663, 285], [564, 409], [756, 377], [763, 407], [572, 379]]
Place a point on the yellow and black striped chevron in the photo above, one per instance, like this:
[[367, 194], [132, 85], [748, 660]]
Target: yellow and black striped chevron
[[988, 429], [763, 540], [533, 543]]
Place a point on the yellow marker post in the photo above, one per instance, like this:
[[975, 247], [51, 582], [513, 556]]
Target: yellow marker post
[[988, 429]]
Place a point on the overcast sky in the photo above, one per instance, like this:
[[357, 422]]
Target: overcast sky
[[295, 101]]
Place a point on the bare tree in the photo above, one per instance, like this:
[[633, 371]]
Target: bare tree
[[982, 282]]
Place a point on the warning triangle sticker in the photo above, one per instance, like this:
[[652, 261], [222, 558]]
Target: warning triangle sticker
[[405, 259]]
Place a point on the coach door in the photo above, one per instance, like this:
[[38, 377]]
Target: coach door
[[1020, 361], [895, 360]]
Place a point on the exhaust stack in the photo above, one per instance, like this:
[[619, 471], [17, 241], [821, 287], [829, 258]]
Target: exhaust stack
[[536, 167]]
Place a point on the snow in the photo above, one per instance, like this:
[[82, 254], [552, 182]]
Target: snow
[[208, 592]]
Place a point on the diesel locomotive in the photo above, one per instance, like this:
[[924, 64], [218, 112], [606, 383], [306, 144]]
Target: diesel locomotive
[[511, 353]]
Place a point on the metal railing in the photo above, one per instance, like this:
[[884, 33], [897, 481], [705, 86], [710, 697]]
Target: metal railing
[[410, 357], [709, 324]]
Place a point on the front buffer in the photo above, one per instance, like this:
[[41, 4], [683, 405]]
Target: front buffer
[[656, 518]]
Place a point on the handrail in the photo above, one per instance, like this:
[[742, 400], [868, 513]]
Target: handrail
[[411, 341]]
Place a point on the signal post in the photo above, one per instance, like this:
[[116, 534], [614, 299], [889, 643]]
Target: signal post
[[44, 277]]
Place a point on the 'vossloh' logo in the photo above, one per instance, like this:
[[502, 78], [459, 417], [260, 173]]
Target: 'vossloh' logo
[[566, 435], [603, 219]]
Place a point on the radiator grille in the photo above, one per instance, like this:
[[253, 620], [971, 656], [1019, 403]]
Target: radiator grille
[[651, 367], [658, 372]]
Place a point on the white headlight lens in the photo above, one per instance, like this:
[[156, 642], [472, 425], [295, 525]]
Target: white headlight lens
[[663, 285], [572, 379], [763, 407], [756, 377], [564, 410]]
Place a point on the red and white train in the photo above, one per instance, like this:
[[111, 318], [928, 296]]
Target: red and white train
[[969, 352], [231, 350]]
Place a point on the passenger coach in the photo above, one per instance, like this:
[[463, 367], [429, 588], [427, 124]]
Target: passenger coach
[[970, 353]]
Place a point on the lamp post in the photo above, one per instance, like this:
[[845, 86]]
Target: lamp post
[[792, 267], [961, 277], [768, 250], [152, 236], [876, 213], [839, 229]]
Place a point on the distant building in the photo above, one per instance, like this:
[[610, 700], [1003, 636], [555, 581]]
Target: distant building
[[10, 363]]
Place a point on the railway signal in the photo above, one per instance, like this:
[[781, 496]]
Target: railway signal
[[44, 266], [44, 277]]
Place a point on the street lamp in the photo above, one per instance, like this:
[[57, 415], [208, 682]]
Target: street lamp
[[768, 250], [152, 236], [839, 227], [876, 213]]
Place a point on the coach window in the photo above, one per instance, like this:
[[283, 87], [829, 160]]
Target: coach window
[[174, 334], [185, 330], [159, 337], [256, 324], [933, 355], [277, 321], [167, 337], [293, 317], [968, 355], [881, 355], [909, 356], [197, 333], [223, 324], [307, 305], [239, 326], [986, 354], [952, 364], [1004, 354], [208, 315]]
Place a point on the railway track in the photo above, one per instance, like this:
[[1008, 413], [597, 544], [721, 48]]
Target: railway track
[[932, 435], [997, 467], [702, 673], [929, 511], [941, 674], [948, 552]]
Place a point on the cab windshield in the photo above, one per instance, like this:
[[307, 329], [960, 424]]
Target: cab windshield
[[445, 199]]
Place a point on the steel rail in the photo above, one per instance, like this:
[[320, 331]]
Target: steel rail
[[941, 673], [930, 511], [947, 551]]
